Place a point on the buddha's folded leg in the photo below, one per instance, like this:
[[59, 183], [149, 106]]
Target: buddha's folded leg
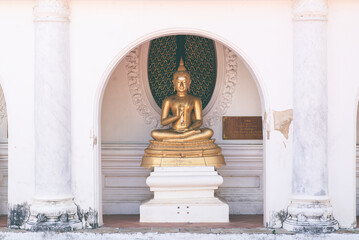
[[207, 133], [160, 134], [180, 136], [202, 134], [171, 135]]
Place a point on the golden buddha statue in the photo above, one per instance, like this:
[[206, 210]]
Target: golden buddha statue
[[185, 143]]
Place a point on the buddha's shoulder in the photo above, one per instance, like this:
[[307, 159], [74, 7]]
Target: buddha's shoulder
[[170, 98], [194, 98]]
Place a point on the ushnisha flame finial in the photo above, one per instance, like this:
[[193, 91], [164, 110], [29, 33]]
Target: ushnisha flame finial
[[182, 72], [181, 67]]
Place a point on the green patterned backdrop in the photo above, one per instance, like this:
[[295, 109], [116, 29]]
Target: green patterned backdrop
[[199, 59]]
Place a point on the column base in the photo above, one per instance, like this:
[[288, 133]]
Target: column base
[[311, 227], [58, 216], [313, 216], [184, 194]]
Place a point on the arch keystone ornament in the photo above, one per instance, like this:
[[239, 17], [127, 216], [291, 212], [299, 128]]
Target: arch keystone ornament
[[53, 208], [310, 209]]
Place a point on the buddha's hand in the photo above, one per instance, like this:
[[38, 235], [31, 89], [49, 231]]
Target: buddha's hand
[[181, 111], [190, 128]]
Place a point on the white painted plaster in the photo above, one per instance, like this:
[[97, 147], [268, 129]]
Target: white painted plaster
[[17, 82], [52, 111], [53, 186], [310, 110], [120, 39], [260, 31], [184, 194], [102, 32], [310, 206], [343, 85]]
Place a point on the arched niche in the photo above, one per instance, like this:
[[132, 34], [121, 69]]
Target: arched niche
[[107, 94]]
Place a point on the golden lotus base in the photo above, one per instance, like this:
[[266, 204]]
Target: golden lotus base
[[183, 154]]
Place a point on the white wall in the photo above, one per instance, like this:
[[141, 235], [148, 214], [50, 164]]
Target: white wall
[[16, 78], [343, 89], [102, 32], [121, 123]]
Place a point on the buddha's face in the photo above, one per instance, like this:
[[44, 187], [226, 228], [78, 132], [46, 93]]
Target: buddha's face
[[182, 83]]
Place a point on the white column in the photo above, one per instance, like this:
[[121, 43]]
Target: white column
[[310, 209], [53, 207]]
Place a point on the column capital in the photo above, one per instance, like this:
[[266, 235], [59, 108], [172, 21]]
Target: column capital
[[310, 10], [51, 11]]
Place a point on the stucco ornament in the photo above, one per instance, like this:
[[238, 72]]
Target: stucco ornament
[[137, 95], [3, 111], [52, 10], [225, 100]]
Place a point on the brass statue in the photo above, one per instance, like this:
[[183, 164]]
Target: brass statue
[[185, 143], [187, 111]]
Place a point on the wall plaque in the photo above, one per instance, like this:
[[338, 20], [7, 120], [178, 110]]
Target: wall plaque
[[242, 128]]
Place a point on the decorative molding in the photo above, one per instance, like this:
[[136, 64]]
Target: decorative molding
[[134, 83], [310, 10], [52, 11], [221, 107], [145, 48], [3, 110]]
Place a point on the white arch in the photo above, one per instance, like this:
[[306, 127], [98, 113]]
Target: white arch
[[5, 92], [356, 108], [262, 90]]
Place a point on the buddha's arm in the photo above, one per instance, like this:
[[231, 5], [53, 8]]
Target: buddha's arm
[[197, 122], [165, 120]]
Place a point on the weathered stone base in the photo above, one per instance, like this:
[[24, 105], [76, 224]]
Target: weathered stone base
[[54, 226], [53, 216], [310, 215], [311, 227]]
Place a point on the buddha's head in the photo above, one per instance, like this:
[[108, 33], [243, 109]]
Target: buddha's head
[[181, 79]]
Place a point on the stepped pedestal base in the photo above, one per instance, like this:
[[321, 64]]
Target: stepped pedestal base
[[184, 194], [183, 154]]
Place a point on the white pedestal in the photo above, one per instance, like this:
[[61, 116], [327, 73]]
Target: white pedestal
[[184, 194]]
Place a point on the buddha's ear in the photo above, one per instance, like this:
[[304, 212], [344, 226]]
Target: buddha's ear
[[174, 85]]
